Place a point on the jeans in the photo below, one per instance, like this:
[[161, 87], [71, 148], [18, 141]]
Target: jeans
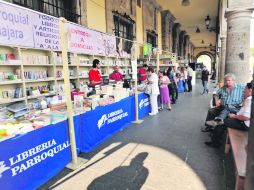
[[173, 90], [205, 85], [189, 84], [185, 85], [221, 112], [224, 113]]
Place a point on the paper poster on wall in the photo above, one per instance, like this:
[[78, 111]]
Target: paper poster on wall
[[87, 41], [16, 26]]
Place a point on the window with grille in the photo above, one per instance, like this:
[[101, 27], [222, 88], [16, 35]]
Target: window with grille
[[152, 38], [57, 8], [124, 29]]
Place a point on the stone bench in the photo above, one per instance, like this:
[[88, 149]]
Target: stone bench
[[237, 141]]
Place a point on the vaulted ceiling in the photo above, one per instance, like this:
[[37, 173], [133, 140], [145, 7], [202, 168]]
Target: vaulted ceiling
[[193, 16]]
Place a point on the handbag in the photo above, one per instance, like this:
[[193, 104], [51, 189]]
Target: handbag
[[148, 89]]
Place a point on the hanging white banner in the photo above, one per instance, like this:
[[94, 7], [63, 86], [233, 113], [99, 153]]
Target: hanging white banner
[[86, 41], [22, 27], [46, 32], [16, 26]]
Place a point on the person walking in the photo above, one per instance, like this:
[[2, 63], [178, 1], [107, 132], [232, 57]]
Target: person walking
[[153, 81], [172, 86], [189, 78], [204, 78], [164, 91]]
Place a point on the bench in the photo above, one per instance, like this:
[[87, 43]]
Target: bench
[[237, 141]]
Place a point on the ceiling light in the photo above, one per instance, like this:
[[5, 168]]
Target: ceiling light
[[185, 3], [197, 30]]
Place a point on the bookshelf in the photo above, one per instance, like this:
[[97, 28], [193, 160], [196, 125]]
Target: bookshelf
[[31, 71]]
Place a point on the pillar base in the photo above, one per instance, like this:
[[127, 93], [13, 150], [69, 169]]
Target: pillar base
[[81, 162], [138, 121]]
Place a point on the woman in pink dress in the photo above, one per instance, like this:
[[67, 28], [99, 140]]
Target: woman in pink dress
[[164, 92]]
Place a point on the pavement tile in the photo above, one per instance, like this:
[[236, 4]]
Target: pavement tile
[[165, 152]]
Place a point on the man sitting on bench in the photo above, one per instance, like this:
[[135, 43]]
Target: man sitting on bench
[[228, 99], [240, 120]]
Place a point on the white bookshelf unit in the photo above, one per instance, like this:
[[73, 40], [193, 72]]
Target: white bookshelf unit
[[39, 73]]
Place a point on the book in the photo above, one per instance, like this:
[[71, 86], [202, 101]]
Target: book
[[16, 107]]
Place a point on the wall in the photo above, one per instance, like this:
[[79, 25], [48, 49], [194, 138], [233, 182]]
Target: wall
[[159, 30], [96, 14], [122, 6], [139, 24], [149, 7]]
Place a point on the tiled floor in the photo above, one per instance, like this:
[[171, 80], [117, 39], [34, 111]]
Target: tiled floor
[[166, 151]]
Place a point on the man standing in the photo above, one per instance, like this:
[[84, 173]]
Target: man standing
[[142, 74], [204, 78], [116, 75], [94, 74], [228, 98], [189, 78]]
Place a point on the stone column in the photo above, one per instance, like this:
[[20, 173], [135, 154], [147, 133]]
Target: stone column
[[222, 59], [176, 32], [181, 43], [238, 43], [186, 47], [167, 28]]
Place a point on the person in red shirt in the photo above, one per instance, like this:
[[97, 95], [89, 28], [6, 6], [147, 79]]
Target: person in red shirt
[[116, 75], [142, 73], [94, 73]]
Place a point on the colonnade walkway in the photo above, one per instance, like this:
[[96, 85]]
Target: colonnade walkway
[[165, 152]]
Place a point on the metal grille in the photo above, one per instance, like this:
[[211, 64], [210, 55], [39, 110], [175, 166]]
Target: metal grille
[[152, 39], [124, 29], [57, 8]]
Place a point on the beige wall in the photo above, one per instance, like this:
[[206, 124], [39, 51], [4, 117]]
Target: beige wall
[[159, 31], [139, 25], [122, 6], [96, 14], [148, 16]]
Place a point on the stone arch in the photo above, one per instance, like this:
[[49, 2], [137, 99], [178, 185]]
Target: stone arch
[[210, 54]]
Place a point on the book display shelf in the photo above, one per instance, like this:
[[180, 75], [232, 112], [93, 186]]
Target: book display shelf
[[28, 74]]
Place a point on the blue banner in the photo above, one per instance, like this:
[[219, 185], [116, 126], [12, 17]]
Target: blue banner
[[77, 122], [101, 123], [28, 161], [143, 105]]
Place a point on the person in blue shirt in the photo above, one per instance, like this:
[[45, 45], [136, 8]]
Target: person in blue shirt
[[229, 99]]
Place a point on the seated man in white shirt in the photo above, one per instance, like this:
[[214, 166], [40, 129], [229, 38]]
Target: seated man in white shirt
[[240, 120]]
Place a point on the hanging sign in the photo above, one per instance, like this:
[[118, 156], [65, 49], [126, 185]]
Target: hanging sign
[[87, 41], [16, 26], [46, 32], [22, 27]]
